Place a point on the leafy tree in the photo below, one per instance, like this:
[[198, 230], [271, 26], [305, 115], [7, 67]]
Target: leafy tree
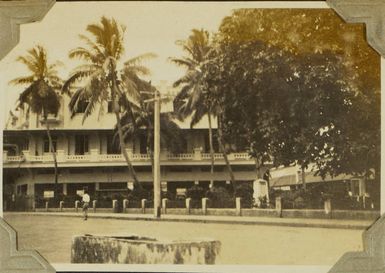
[[101, 79], [41, 95], [308, 98], [239, 75]]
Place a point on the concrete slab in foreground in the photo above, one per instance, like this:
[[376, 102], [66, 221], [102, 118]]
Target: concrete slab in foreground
[[142, 250]]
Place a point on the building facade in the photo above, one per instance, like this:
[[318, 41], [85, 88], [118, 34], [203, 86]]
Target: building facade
[[89, 159]]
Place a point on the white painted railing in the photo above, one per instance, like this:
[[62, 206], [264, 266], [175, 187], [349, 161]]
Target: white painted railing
[[15, 158], [241, 155], [180, 156], [78, 158], [140, 157], [110, 157], [208, 156], [118, 157]]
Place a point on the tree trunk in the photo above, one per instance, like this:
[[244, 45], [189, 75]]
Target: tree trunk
[[211, 150], [53, 152], [222, 147], [303, 175], [120, 132], [150, 152]]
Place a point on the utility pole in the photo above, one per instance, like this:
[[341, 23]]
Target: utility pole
[[156, 170], [157, 190]]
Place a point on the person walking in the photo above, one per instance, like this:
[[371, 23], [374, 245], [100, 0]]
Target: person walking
[[86, 204]]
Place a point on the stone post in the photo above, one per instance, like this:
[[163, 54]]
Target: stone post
[[278, 206], [328, 207], [144, 201], [115, 206], [60, 156], [125, 205], [204, 205], [94, 205], [46, 206], [77, 202], [94, 154], [34, 205], [238, 206], [61, 205], [198, 153], [164, 205], [188, 202]]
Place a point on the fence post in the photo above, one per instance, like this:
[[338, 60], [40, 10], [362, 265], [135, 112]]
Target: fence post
[[144, 201], [188, 205], [125, 205], [34, 205], [61, 203], [278, 206], [238, 206], [46, 205], [328, 207], [164, 205], [77, 205], [94, 205], [204, 205], [115, 206]]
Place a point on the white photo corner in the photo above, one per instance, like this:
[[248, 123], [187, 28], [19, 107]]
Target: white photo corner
[[210, 136]]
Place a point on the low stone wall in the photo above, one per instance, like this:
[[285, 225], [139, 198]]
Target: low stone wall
[[139, 250], [305, 213], [175, 211], [221, 212], [259, 212], [355, 214]]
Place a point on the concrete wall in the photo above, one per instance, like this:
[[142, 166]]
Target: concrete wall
[[138, 250]]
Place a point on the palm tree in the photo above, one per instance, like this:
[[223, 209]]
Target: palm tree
[[193, 100], [100, 78], [40, 96]]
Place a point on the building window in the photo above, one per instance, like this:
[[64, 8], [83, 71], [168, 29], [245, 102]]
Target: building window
[[47, 148], [81, 144], [109, 106], [112, 145]]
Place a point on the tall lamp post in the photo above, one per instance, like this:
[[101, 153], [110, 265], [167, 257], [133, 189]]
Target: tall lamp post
[[157, 190], [156, 177]]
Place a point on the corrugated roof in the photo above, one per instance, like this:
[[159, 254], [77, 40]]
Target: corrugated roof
[[290, 180], [285, 180]]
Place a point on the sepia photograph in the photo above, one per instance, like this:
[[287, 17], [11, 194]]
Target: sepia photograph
[[191, 133]]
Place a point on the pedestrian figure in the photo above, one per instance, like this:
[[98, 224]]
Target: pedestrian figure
[[86, 204]]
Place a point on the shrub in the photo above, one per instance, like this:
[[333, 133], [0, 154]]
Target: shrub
[[195, 192], [245, 192], [138, 194], [220, 198], [168, 194]]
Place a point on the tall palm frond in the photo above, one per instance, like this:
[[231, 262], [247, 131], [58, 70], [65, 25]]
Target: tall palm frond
[[40, 95], [101, 82]]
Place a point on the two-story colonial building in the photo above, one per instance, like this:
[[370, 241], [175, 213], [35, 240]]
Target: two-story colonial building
[[88, 158]]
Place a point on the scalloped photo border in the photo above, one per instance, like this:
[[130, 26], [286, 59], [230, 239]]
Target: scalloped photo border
[[13, 13]]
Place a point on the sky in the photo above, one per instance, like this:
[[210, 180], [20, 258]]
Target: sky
[[150, 27]]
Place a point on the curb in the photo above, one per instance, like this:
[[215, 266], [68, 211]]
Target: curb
[[355, 226]]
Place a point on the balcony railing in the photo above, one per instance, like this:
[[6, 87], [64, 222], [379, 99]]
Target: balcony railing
[[94, 156]]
